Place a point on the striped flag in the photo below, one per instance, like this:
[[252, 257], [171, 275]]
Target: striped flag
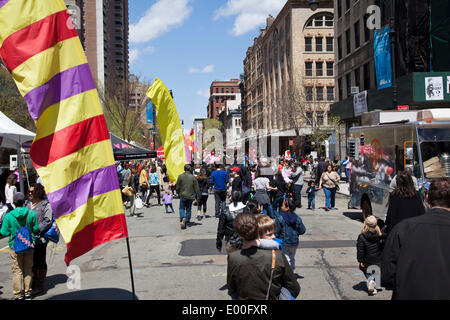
[[71, 151]]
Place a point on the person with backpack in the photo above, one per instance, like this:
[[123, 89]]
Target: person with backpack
[[21, 226], [289, 228], [41, 207], [226, 228]]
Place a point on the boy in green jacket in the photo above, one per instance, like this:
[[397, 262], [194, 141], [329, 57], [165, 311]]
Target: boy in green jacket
[[21, 263]]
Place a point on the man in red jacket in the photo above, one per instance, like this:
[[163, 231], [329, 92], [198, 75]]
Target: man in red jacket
[[416, 258]]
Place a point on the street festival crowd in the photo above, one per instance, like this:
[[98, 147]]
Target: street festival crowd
[[257, 209]]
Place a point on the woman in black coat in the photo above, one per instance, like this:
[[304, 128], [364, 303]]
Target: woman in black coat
[[404, 202]]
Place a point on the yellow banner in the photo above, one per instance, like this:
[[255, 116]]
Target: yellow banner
[[169, 129]]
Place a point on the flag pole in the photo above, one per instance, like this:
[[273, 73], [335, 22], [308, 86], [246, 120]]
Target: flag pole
[[131, 269]]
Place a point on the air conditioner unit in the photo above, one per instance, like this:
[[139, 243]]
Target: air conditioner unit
[[354, 90]]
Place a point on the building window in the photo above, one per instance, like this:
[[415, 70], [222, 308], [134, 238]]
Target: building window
[[348, 82], [232, 90], [330, 93], [366, 30], [319, 93], [339, 6], [309, 116], [308, 69], [330, 69], [319, 47], [367, 76], [347, 40], [340, 47], [309, 93], [217, 100], [319, 118], [347, 5], [217, 90], [318, 21], [308, 44], [340, 90], [357, 78], [357, 40], [330, 44], [222, 90], [319, 68]]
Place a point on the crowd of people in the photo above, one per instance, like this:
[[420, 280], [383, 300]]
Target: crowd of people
[[255, 207]]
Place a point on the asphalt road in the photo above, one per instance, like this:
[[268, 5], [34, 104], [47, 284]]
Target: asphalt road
[[174, 264]]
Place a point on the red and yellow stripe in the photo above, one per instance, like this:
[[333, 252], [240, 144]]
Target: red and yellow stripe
[[71, 151]]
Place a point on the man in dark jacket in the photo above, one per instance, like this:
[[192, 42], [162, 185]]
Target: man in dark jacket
[[249, 271], [416, 259], [187, 189]]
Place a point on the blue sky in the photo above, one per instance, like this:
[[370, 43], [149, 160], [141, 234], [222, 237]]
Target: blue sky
[[190, 43]]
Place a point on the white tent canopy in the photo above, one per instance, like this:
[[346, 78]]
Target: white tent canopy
[[11, 134]]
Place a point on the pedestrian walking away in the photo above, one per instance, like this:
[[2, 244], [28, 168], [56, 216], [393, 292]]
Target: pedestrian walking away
[[289, 228], [369, 250], [203, 186], [297, 183], [220, 180], [21, 263], [261, 186], [225, 227], [415, 262], [404, 202], [187, 189]]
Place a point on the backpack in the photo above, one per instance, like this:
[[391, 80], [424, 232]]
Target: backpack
[[23, 242]]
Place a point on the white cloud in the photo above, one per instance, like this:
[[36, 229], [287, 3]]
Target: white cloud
[[207, 69], [160, 18], [203, 93], [193, 70], [133, 55], [250, 14]]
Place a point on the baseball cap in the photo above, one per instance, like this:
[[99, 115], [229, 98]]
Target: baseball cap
[[18, 196], [235, 169]]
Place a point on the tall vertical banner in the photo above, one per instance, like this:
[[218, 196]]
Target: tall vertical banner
[[149, 111], [382, 48], [71, 151], [169, 129]]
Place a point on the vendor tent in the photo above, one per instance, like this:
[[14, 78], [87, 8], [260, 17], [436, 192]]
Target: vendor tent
[[15, 137], [12, 135], [126, 151]]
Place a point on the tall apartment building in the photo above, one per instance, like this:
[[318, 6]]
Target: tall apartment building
[[290, 68], [102, 26], [252, 107], [220, 92]]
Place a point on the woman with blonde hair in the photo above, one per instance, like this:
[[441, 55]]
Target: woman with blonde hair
[[369, 250]]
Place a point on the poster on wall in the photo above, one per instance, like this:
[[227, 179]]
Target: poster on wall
[[434, 88], [382, 56]]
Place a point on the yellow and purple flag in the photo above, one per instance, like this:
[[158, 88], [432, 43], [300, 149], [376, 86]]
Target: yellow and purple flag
[[169, 129], [71, 151]]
